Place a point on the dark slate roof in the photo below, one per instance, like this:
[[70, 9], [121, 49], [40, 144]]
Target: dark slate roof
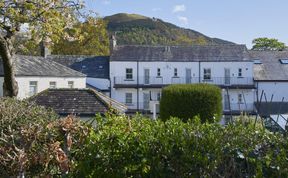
[[180, 53], [39, 66], [266, 109], [92, 66], [82, 102], [271, 69]]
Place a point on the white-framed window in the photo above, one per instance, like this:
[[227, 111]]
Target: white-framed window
[[128, 98], [52, 84], [158, 72], [129, 73], [207, 74], [70, 84], [32, 88], [158, 96], [240, 72], [240, 98], [175, 72]]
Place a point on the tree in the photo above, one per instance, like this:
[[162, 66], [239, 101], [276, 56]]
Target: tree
[[267, 44], [94, 39], [46, 19]]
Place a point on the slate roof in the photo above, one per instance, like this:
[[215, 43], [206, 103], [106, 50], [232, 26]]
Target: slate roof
[[39, 66], [271, 69], [92, 66], [180, 53], [82, 102]]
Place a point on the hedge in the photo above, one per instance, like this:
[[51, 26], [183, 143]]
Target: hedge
[[187, 101], [141, 147]]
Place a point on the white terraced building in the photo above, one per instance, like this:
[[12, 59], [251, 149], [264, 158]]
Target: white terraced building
[[35, 74], [138, 74]]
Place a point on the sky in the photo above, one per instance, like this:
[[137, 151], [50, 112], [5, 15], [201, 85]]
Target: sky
[[239, 21]]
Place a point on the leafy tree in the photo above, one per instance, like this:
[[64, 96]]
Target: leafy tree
[[267, 44], [93, 39], [43, 18]]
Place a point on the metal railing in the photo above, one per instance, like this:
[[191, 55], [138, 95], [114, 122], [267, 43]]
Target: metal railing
[[142, 80]]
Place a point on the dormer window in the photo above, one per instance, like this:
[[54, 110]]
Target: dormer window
[[283, 61]]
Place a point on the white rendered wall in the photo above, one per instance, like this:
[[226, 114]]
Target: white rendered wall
[[248, 96], [277, 89], [102, 84], [43, 83], [118, 70]]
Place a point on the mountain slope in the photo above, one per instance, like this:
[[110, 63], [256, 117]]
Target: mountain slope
[[140, 30]]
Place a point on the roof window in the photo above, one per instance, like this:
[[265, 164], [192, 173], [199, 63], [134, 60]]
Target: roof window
[[283, 61], [257, 61]]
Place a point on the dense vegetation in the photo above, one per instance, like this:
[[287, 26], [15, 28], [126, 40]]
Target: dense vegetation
[[267, 44], [187, 101], [35, 143], [140, 147], [141, 30]]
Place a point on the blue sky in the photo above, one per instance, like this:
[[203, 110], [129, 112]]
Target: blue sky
[[239, 21]]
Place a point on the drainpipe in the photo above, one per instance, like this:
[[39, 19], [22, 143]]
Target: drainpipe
[[137, 85]]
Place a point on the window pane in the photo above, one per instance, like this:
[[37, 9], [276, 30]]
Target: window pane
[[129, 73], [52, 85], [32, 88], [158, 72], [70, 84], [128, 98]]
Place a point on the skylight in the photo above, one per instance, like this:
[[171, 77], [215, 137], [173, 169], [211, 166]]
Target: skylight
[[257, 61], [283, 61]]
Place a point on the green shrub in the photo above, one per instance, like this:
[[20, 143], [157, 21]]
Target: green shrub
[[35, 142], [187, 101], [141, 147]]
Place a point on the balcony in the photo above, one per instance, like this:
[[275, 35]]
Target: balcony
[[238, 108], [159, 82]]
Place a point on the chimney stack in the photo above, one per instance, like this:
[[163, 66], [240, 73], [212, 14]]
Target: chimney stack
[[44, 48], [113, 43]]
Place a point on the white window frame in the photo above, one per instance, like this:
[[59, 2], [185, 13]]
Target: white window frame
[[207, 74], [158, 72], [158, 96], [129, 74], [33, 85], [175, 72], [240, 72], [240, 98], [70, 84], [129, 98], [52, 84]]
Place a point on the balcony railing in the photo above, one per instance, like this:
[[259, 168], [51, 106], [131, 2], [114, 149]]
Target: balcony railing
[[224, 81]]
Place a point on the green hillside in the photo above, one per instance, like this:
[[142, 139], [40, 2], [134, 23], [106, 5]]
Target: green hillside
[[141, 30]]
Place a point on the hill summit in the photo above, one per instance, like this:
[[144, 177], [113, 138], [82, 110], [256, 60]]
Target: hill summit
[[134, 29]]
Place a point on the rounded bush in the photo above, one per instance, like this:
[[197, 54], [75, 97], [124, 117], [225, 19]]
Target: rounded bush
[[188, 101]]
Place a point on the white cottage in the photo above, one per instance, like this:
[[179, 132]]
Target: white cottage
[[271, 80], [96, 68], [138, 73], [35, 74]]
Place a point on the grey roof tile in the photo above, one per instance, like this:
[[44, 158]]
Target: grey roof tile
[[92, 66], [271, 69], [85, 102], [180, 53], [39, 66]]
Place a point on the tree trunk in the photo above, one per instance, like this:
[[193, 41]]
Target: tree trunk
[[10, 86]]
